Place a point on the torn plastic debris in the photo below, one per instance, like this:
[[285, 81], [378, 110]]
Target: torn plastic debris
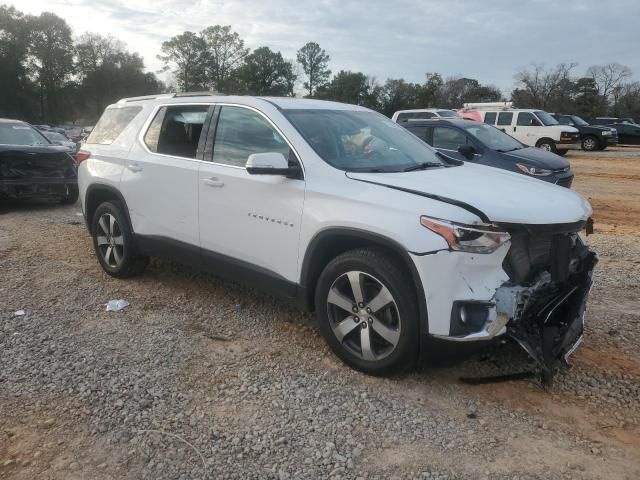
[[19, 313], [116, 305]]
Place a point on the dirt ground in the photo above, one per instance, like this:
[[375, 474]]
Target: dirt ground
[[586, 426]]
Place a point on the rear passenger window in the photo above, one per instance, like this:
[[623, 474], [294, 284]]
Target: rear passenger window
[[242, 132], [176, 130], [490, 117], [504, 118], [111, 124], [526, 119], [420, 132], [448, 138]]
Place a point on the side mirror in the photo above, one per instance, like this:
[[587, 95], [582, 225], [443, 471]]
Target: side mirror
[[467, 151], [271, 163]]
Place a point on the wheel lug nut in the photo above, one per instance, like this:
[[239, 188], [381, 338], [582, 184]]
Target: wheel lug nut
[[368, 310], [361, 304], [370, 320], [356, 319], [354, 308], [364, 324]]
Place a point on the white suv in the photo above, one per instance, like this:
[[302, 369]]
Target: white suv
[[346, 212]]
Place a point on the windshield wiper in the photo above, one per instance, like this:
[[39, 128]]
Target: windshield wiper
[[423, 166]]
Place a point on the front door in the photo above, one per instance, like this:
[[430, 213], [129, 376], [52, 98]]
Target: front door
[[250, 221], [526, 128]]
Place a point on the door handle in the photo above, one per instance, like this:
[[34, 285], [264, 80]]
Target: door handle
[[134, 167], [213, 182]]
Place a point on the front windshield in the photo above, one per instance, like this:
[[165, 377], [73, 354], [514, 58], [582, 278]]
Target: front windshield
[[20, 134], [578, 121], [447, 114], [55, 136], [545, 118], [361, 141], [493, 138]]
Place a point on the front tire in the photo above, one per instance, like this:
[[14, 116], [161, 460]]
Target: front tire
[[547, 144], [113, 242], [590, 143], [367, 311], [562, 153]]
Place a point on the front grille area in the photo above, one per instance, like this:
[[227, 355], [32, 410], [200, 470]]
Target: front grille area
[[532, 253], [565, 182]]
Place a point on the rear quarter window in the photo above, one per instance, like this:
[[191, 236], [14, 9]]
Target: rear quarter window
[[490, 117], [111, 124]]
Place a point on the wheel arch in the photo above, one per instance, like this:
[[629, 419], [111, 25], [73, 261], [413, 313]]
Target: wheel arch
[[99, 193], [328, 244]]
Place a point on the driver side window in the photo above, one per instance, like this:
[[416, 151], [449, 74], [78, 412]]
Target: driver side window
[[526, 119], [242, 132], [448, 138]]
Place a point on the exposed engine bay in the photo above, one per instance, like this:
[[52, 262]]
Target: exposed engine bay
[[545, 298]]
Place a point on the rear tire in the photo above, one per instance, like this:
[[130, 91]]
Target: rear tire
[[547, 144], [590, 143], [113, 242], [368, 312], [71, 196]]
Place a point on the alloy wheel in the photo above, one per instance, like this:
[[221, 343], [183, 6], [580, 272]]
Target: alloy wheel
[[363, 315], [589, 144], [545, 146], [110, 240]]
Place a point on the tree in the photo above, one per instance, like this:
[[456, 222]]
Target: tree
[[107, 72], [350, 87], [397, 94], [186, 52], [50, 62], [587, 102], [315, 63], [224, 55], [539, 86], [16, 89], [608, 77], [456, 91], [266, 72]]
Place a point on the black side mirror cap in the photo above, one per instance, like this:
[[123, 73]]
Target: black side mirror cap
[[467, 151]]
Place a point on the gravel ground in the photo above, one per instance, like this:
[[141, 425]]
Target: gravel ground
[[199, 378]]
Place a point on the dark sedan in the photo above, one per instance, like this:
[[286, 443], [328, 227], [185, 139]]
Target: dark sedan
[[32, 167], [628, 133], [486, 145]]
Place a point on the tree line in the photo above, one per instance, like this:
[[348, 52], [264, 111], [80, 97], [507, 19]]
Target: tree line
[[48, 76]]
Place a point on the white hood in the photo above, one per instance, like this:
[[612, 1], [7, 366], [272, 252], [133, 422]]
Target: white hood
[[502, 196]]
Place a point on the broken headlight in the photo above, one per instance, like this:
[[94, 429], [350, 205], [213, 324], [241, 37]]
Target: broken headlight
[[465, 238]]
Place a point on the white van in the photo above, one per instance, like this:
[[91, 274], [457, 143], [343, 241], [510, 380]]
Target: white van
[[423, 114], [530, 126]]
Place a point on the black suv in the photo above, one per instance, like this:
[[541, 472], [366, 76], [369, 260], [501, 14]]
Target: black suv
[[480, 143], [592, 137]]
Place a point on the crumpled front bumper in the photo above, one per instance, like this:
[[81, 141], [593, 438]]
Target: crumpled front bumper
[[547, 319]]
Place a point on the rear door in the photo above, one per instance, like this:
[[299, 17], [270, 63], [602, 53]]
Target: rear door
[[160, 178], [448, 140], [628, 134], [248, 222]]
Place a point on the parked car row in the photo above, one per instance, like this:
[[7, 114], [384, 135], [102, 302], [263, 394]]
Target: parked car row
[[390, 241]]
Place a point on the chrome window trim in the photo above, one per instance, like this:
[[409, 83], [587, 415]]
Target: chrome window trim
[[154, 112]]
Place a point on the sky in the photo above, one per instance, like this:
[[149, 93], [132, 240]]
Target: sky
[[489, 40]]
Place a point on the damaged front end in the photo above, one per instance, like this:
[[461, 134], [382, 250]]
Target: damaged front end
[[550, 276]]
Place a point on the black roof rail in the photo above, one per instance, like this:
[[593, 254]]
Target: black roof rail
[[206, 93]]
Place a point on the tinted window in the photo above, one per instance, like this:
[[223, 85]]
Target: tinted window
[[490, 117], [448, 138], [493, 138], [526, 119], [564, 120], [111, 124], [242, 132], [420, 132], [176, 130], [20, 134], [504, 118]]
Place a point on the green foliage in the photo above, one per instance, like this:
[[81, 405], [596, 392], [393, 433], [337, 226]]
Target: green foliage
[[266, 72], [186, 53], [224, 55], [315, 64]]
